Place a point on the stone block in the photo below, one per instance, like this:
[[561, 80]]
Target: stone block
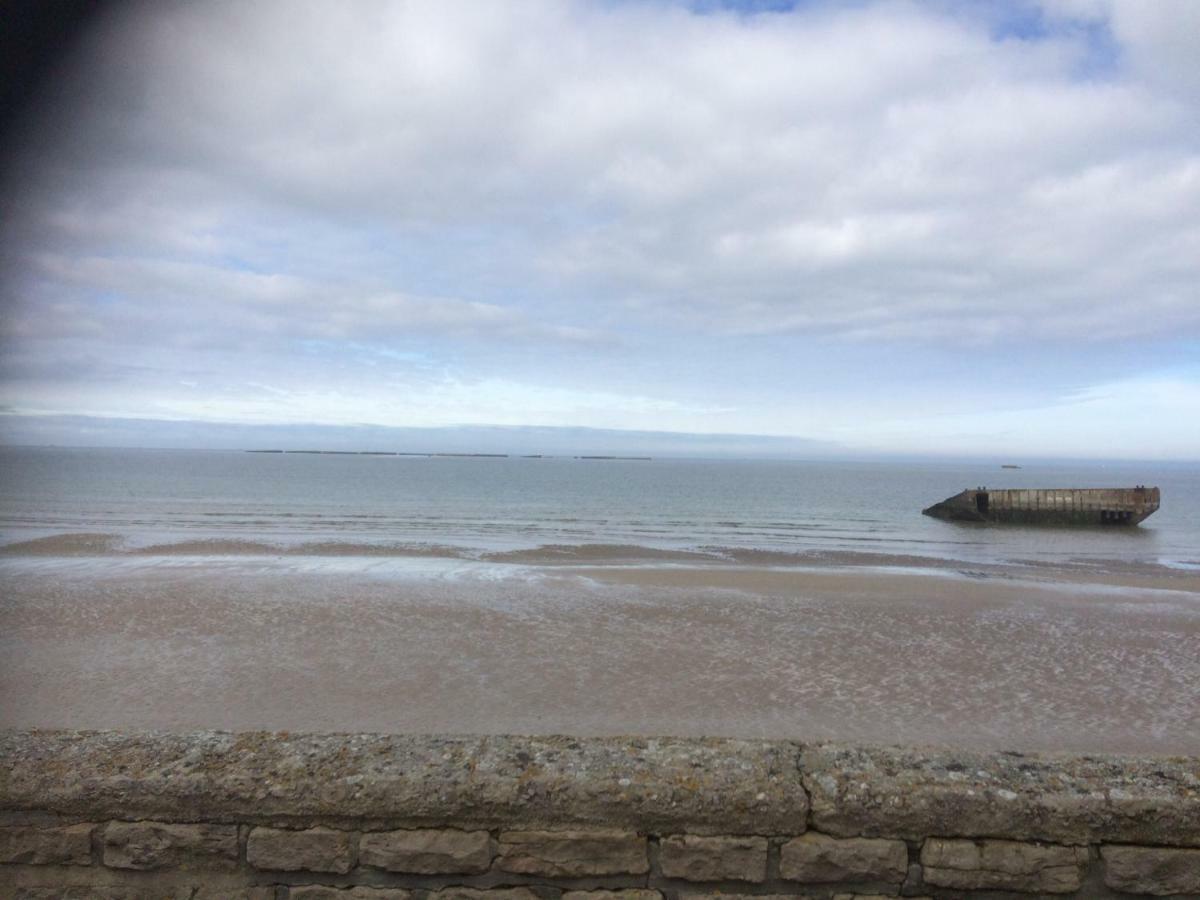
[[914, 793], [325, 892], [307, 850], [628, 894], [464, 893], [159, 845], [109, 892], [63, 845], [913, 882], [1151, 870], [816, 858], [655, 785], [428, 851], [572, 854], [697, 858], [154, 890], [1002, 865]]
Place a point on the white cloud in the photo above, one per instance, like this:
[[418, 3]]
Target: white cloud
[[415, 401], [1160, 38], [196, 303], [563, 182], [804, 169]]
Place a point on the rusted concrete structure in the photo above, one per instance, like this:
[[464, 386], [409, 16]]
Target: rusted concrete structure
[[1049, 506]]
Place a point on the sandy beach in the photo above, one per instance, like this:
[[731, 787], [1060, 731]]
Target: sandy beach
[[1021, 658]]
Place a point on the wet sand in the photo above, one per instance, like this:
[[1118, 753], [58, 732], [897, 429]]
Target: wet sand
[[1000, 658]]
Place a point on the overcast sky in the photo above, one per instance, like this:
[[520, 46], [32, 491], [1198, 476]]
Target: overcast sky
[[935, 227]]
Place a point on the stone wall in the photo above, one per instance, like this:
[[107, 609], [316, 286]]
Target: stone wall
[[378, 817]]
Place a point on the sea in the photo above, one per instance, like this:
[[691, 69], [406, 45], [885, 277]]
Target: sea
[[571, 509]]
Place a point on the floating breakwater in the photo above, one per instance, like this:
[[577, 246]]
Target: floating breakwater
[[1050, 506]]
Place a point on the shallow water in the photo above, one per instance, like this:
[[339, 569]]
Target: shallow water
[[179, 590], [568, 509]]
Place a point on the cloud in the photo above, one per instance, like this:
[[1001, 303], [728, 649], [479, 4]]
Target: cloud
[[1160, 40], [1102, 421], [194, 303], [808, 169], [553, 194]]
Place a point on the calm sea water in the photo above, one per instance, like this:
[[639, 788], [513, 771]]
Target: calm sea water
[[479, 505]]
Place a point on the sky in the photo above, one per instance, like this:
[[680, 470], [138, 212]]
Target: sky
[[951, 228]]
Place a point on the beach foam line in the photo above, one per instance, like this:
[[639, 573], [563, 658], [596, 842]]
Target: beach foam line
[[549, 554], [95, 545], [88, 544], [80, 544]]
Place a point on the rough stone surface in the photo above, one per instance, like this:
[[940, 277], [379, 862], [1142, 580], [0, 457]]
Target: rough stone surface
[[324, 892], [572, 853], [698, 858], [117, 892], [913, 882], [69, 845], [149, 887], [663, 785], [462, 893], [911, 794], [78, 892], [428, 851], [1151, 870], [158, 845], [1002, 865], [821, 896], [581, 811], [816, 858], [309, 850]]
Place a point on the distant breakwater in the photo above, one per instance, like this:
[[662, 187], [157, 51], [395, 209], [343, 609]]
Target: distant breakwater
[[394, 817]]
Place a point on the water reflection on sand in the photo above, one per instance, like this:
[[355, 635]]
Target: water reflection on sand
[[1020, 657]]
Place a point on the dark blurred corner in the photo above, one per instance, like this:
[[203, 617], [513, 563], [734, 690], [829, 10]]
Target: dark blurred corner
[[37, 37]]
